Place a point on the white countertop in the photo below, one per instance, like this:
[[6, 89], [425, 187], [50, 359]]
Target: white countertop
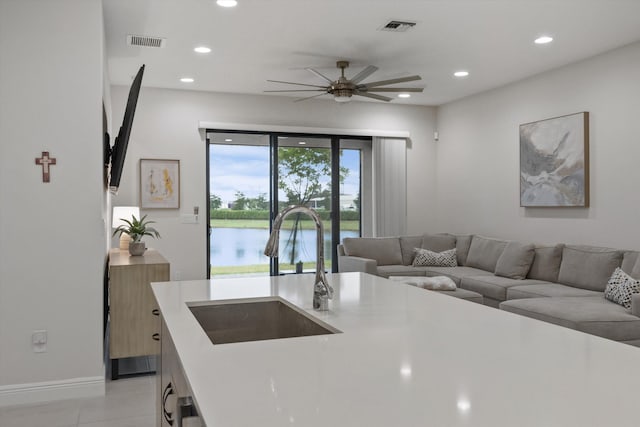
[[406, 357]]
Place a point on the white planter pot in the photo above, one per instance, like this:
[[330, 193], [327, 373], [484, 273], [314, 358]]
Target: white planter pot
[[137, 248]]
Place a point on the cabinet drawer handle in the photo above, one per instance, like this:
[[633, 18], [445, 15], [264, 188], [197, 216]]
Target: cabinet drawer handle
[[155, 312], [156, 336], [168, 416]]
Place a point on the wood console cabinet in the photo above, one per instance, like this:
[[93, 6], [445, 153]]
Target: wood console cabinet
[[134, 318]]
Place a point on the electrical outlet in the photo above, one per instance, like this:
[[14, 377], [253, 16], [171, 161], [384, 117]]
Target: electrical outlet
[[177, 275], [39, 341]]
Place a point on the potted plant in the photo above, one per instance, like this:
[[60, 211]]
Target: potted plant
[[137, 229]]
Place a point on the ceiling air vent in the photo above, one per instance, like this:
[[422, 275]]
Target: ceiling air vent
[[145, 41], [398, 26]]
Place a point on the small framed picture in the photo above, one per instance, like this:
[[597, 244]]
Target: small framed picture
[[159, 184]]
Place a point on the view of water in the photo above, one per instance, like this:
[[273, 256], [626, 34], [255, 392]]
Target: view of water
[[245, 246]]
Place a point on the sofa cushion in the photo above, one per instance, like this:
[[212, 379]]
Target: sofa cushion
[[593, 315], [621, 287], [400, 270], [491, 286], [456, 273], [635, 305], [438, 242], [515, 260], [546, 263], [463, 241], [385, 250], [629, 259], [635, 270], [408, 245], [484, 253], [425, 257], [464, 294], [547, 289], [588, 267]]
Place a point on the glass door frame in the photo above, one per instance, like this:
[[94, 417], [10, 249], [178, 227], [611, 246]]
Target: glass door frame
[[273, 186]]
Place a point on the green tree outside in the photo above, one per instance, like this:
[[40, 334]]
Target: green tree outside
[[301, 172]]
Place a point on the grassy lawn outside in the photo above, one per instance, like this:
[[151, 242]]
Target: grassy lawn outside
[[261, 268], [264, 224]]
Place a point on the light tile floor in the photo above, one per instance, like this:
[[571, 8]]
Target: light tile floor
[[128, 402]]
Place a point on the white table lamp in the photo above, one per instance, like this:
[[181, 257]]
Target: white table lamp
[[126, 212]]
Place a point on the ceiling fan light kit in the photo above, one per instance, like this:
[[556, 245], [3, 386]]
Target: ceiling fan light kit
[[342, 98], [344, 89]]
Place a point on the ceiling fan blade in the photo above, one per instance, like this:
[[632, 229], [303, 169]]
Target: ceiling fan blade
[[364, 74], [319, 75], [297, 90], [309, 97], [394, 89], [292, 83], [390, 81], [372, 95]]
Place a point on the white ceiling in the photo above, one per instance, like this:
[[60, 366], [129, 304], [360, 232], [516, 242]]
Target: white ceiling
[[278, 39]]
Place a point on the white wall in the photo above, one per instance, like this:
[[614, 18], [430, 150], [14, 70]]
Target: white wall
[[166, 126], [478, 155], [52, 241]]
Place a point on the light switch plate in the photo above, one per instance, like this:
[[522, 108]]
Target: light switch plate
[[189, 219]]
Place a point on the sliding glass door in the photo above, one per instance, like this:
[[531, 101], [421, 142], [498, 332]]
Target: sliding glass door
[[304, 178], [239, 182], [352, 186], [253, 176]]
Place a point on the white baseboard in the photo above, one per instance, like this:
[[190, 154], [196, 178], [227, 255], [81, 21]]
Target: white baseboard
[[51, 390]]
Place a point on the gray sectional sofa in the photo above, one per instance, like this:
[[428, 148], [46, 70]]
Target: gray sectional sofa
[[560, 284]]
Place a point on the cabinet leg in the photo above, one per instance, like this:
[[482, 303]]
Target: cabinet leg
[[114, 369]]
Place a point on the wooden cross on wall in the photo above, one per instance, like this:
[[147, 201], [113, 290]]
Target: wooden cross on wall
[[45, 161]]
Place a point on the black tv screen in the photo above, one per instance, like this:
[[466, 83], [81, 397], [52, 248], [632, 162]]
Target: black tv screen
[[119, 150]]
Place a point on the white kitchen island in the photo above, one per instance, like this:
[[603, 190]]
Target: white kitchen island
[[405, 357]]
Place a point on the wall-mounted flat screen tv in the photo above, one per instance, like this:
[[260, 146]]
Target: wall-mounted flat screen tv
[[119, 149]]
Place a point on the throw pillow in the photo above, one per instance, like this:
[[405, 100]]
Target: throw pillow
[[546, 263], [484, 253], [620, 287], [436, 283], [425, 257], [515, 260]]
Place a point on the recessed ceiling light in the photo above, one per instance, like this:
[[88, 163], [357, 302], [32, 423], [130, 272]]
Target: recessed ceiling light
[[227, 3], [302, 143], [228, 140], [461, 73], [543, 40], [202, 49], [404, 95], [187, 80]]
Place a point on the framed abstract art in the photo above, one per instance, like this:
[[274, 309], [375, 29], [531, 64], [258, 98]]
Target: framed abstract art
[[554, 162], [159, 184]]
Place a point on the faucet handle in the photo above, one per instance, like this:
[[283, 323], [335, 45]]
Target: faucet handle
[[320, 301]]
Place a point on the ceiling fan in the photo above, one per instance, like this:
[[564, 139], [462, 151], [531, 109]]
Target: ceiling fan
[[343, 89]]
